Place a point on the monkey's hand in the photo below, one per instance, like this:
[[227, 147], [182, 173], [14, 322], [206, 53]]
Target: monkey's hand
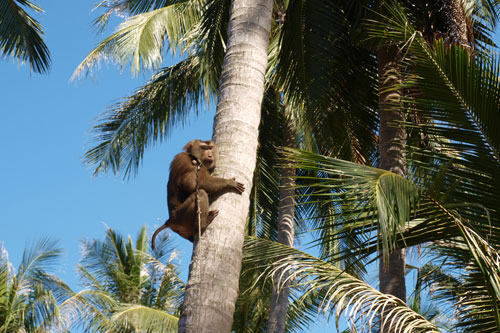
[[239, 187]]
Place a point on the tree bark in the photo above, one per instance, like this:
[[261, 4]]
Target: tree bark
[[286, 234], [392, 138], [212, 287], [458, 23]]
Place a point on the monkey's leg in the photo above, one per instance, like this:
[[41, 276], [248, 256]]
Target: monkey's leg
[[206, 215], [186, 217]]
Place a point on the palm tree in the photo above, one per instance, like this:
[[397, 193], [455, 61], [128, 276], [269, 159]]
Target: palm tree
[[452, 26], [30, 296], [127, 288], [476, 32], [21, 35], [189, 69], [149, 114], [217, 255]]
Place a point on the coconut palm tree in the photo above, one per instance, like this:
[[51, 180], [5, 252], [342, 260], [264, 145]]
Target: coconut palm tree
[[217, 255], [454, 28], [30, 295], [126, 287], [21, 35]]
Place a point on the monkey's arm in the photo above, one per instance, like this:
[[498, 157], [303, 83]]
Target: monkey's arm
[[212, 185], [215, 185]]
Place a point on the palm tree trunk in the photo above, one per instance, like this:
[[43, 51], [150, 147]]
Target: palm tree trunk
[[286, 234], [458, 22], [391, 139], [212, 288]]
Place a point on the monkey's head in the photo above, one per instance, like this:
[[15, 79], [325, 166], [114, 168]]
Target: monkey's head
[[204, 152]]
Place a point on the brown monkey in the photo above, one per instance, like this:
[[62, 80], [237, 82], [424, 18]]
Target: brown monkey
[[181, 189]]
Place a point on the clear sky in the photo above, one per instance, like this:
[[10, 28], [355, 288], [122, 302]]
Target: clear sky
[[46, 191]]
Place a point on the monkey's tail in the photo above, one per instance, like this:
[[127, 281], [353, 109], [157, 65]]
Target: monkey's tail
[[164, 226]]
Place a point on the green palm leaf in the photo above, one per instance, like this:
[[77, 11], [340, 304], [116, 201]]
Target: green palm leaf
[[140, 40], [128, 128], [21, 35], [375, 199], [144, 319], [347, 295], [388, 210], [126, 287]]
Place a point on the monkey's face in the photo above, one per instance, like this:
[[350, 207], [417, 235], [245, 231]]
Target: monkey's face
[[203, 151], [208, 155]]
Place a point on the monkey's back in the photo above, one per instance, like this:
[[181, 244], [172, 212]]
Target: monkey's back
[[180, 166]]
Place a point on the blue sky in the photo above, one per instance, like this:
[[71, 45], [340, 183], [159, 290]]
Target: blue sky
[[46, 191]]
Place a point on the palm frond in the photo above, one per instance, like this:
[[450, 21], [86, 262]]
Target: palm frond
[[254, 301], [344, 294], [148, 116], [140, 40], [42, 255], [211, 42], [264, 196], [376, 200], [87, 309], [21, 35], [365, 197], [144, 319]]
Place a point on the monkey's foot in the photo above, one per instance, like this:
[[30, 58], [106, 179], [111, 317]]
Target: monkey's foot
[[212, 214]]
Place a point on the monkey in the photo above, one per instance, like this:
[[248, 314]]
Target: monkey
[[181, 189]]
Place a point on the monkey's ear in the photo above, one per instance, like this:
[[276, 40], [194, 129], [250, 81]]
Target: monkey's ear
[[188, 146]]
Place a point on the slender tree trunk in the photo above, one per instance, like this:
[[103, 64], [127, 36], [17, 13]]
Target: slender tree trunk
[[212, 288], [391, 139], [286, 234]]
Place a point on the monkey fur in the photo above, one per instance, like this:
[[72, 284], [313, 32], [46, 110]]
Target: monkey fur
[[181, 189]]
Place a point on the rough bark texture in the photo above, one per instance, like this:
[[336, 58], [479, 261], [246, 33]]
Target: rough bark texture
[[392, 138], [286, 234], [444, 19], [458, 23], [212, 288]]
